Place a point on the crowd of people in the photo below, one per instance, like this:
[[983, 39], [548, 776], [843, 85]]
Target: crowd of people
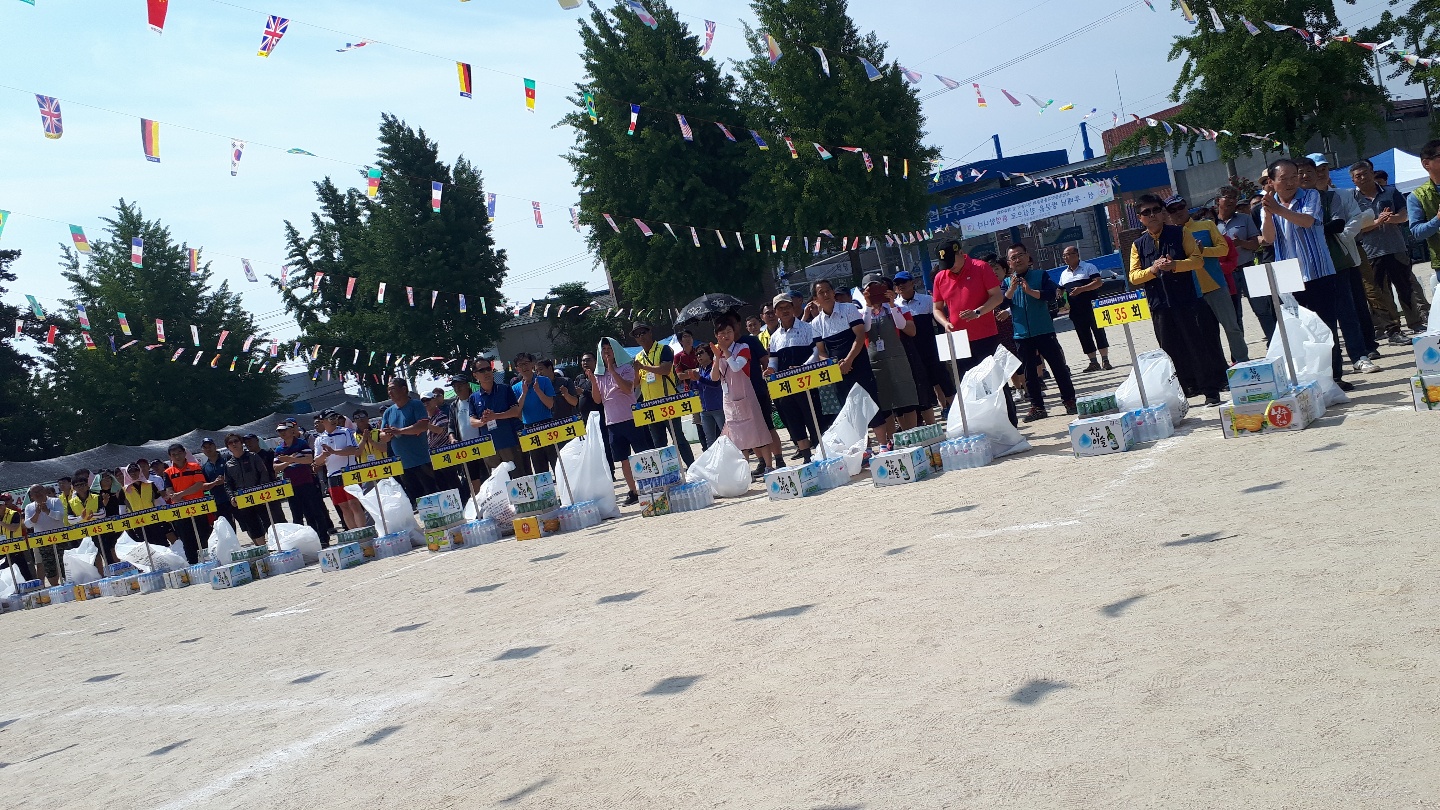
[[1353, 247]]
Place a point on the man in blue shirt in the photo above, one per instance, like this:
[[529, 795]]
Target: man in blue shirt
[[494, 409], [536, 396], [405, 426], [1030, 292]]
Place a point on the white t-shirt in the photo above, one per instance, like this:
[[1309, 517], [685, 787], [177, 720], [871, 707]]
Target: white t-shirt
[[921, 304], [843, 318], [464, 431], [1081, 272], [341, 439]]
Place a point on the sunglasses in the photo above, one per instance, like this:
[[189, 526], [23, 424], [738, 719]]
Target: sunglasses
[[231, 443], [484, 371], [1150, 212]]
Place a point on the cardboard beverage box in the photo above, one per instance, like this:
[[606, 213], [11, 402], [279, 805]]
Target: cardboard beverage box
[[793, 482], [656, 468], [178, 579], [1426, 392], [655, 502], [1103, 435], [900, 466], [1097, 404], [441, 503], [531, 488], [356, 535], [151, 582], [231, 576], [339, 558], [1294, 411], [528, 528], [1427, 352], [1270, 372]]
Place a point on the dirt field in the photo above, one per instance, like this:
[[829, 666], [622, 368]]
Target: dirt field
[[1200, 623]]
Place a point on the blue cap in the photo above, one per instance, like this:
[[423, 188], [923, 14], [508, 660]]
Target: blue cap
[[1319, 158], [903, 275]]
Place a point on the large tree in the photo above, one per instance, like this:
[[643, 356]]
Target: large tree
[[795, 97], [1416, 33], [25, 433], [655, 175], [572, 334], [131, 395], [397, 239], [1275, 84]]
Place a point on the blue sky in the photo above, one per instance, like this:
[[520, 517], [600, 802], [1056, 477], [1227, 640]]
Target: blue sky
[[109, 69]]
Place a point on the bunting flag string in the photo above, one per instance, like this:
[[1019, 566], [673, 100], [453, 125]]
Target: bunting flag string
[[539, 222], [530, 95], [150, 139], [137, 252], [77, 235], [275, 28], [709, 37], [237, 148], [50, 116], [466, 84], [437, 188]]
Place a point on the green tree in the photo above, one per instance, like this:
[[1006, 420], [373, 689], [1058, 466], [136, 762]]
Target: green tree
[[1275, 84], [794, 97], [397, 239], [131, 396], [1416, 32], [25, 432], [571, 333], [655, 174]]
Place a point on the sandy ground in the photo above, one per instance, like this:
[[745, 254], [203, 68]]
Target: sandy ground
[[1199, 623]]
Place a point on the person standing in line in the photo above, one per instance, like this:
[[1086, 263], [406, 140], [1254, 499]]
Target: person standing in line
[[884, 324], [613, 381], [12, 528], [686, 373], [254, 445], [590, 403], [1081, 282], [142, 494], [745, 422], [1292, 223], [759, 363], [1185, 327], [367, 436], [404, 426], [213, 465], [1030, 292], [842, 332], [495, 409], [1210, 279], [244, 470], [536, 398], [45, 513], [792, 344], [1423, 207], [292, 463], [1245, 233], [438, 435], [336, 449], [187, 482], [1384, 243], [458, 412], [755, 325], [655, 367], [921, 308], [712, 405], [565, 399], [1342, 219], [109, 501], [967, 295]]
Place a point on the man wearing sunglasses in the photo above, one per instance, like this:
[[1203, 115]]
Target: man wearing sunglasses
[[1162, 261], [495, 409]]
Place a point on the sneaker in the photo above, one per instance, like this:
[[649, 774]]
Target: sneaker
[[1375, 355], [1070, 408], [632, 498], [759, 470], [1105, 363], [1212, 401], [1364, 366], [1035, 415], [1397, 339], [1345, 386], [1094, 366]]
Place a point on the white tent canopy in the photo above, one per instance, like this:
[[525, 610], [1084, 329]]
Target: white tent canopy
[[1406, 173]]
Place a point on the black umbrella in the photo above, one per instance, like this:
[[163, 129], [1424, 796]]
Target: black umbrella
[[707, 307]]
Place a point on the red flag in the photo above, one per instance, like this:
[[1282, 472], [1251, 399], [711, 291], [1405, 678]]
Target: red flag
[[157, 14]]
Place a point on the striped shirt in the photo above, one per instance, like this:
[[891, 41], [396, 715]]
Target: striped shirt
[[1305, 244]]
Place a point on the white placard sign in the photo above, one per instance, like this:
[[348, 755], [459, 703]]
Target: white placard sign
[[1076, 199], [1287, 278], [961, 341]]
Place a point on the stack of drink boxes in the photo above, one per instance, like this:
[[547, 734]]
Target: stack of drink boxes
[[912, 462], [121, 579], [1100, 428], [1425, 386], [656, 471], [536, 505], [1263, 401], [443, 521], [366, 536]]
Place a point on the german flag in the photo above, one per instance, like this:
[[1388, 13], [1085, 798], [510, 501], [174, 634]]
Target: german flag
[[150, 137], [464, 69]]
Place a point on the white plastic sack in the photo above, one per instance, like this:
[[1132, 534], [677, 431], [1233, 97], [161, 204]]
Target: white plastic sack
[[723, 467], [850, 434], [223, 540], [983, 392], [1312, 347], [583, 464], [399, 515], [1162, 386], [492, 500], [293, 535], [146, 556], [80, 563]]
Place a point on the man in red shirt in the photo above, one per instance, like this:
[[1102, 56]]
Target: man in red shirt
[[187, 482], [966, 293]]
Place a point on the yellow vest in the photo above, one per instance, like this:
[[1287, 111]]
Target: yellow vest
[[652, 384]]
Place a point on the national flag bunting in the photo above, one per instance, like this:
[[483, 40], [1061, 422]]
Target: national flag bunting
[[979, 96], [644, 229], [773, 49], [150, 139], [642, 12], [80, 314], [535, 207], [77, 235], [249, 271], [759, 141], [137, 252], [490, 206], [794, 155], [195, 334], [1014, 101], [870, 71], [950, 84], [349, 288], [728, 136], [372, 183], [824, 62], [634, 118], [463, 68], [530, 95], [275, 28], [159, 330], [237, 148], [590, 107], [824, 154], [124, 324], [193, 259], [437, 188], [611, 220], [685, 131], [156, 11], [50, 116], [709, 37], [575, 219]]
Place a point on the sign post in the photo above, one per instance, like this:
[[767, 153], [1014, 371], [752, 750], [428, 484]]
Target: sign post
[[949, 355], [16, 546], [182, 510], [265, 496], [462, 452], [372, 472], [667, 410], [804, 379], [554, 431], [1123, 310]]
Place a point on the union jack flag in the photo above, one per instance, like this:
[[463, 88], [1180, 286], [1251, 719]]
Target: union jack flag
[[275, 28], [50, 116]]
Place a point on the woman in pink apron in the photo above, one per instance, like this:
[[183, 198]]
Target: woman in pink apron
[[745, 424]]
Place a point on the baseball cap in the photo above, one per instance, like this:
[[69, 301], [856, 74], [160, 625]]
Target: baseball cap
[[206, 440], [948, 253], [782, 298], [903, 275], [640, 327], [249, 436], [427, 397], [872, 278], [461, 378], [1173, 200], [1319, 158]]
